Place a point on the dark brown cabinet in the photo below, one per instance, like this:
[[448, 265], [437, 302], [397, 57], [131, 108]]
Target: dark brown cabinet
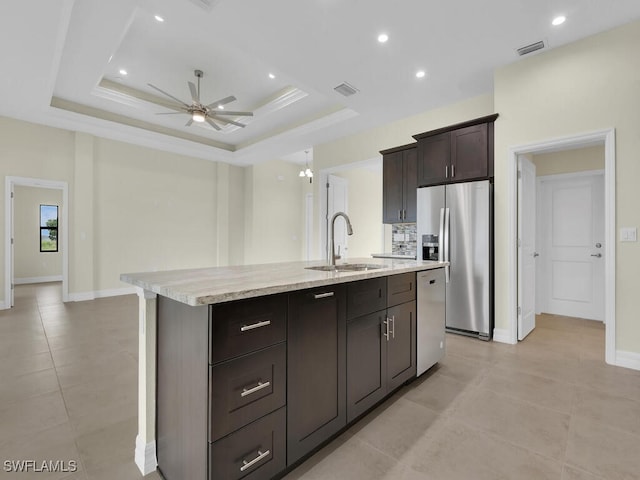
[[381, 346], [246, 389], [399, 183], [456, 153], [316, 368]]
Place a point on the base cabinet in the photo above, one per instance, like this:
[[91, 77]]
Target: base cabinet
[[316, 374], [381, 346], [247, 388]]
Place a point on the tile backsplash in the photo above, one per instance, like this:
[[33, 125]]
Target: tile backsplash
[[403, 239]]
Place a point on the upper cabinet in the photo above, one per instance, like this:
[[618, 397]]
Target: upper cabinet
[[456, 153], [399, 183]]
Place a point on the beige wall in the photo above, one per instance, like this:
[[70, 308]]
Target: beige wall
[[130, 208], [274, 200], [30, 264], [367, 145], [365, 210], [589, 85], [569, 161]]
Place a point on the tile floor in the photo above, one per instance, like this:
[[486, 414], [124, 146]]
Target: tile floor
[[547, 408]]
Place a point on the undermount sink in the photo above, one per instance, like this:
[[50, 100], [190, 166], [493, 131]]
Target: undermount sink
[[346, 267]]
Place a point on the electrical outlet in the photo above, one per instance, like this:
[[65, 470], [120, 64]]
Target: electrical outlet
[[628, 234]]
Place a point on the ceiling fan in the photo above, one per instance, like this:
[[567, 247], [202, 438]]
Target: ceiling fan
[[200, 112]]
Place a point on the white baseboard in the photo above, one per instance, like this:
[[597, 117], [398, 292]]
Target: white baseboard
[[501, 335], [145, 456], [26, 280], [113, 292], [628, 359]]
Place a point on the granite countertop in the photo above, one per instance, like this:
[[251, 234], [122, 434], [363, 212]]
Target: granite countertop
[[204, 286], [393, 255]]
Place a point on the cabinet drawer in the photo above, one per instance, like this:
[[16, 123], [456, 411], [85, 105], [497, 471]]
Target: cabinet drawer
[[366, 296], [246, 325], [255, 452], [246, 388], [401, 288]]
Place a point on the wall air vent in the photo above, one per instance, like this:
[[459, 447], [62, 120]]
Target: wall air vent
[[530, 48], [346, 89]]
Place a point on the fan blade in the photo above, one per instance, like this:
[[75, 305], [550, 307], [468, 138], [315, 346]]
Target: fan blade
[[194, 92], [237, 114], [171, 113], [238, 124], [212, 123], [223, 101], [169, 95]]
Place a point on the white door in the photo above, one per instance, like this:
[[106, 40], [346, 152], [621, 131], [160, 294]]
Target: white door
[[337, 193], [573, 246], [526, 247]]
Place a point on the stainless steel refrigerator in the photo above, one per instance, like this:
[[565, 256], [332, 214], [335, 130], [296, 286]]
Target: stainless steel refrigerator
[[455, 224]]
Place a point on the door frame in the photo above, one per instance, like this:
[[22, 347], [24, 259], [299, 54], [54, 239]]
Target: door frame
[[10, 183], [607, 137]]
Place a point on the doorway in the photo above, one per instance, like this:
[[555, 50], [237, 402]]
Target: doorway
[[606, 138], [63, 228]]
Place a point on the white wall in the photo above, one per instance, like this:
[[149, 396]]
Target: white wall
[[589, 85], [569, 161], [30, 264]]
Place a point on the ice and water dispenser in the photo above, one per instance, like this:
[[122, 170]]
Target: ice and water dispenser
[[430, 247]]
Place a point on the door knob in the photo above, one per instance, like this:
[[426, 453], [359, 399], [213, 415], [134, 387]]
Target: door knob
[[597, 255]]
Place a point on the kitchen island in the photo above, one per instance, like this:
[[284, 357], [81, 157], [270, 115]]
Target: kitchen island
[[256, 366]]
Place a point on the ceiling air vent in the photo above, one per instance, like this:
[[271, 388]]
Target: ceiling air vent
[[206, 4], [530, 48], [346, 89]]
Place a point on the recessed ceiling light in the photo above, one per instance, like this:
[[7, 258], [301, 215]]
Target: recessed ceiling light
[[420, 73], [272, 76], [383, 37], [123, 72], [159, 18], [558, 20]]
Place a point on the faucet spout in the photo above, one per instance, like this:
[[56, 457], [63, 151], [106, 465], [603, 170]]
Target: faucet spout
[[332, 256]]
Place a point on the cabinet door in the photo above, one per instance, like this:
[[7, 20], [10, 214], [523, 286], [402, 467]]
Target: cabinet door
[[433, 159], [366, 363], [410, 184], [392, 188], [316, 368], [401, 347], [469, 153]]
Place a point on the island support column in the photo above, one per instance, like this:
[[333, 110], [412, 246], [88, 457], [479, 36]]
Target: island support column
[[145, 453]]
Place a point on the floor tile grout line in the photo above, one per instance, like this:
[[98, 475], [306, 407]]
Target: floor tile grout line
[[64, 401]]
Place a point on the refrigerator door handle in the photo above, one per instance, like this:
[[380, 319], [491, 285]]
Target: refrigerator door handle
[[441, 237], [447, 269]]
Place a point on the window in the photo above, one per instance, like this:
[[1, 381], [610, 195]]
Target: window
[[48, 228]]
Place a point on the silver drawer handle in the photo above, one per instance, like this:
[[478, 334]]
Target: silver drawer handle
[[245, 328], [392, 321], [250, 464], [323, 295], [249, 391]]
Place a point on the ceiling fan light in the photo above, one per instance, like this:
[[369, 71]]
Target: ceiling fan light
[[308, 172], [301, 174], [198, 117]]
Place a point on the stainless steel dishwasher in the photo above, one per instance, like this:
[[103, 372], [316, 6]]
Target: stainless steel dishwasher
[[430, 319]]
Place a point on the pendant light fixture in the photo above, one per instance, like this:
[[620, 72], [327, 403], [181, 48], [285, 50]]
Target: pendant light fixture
[[307, 171]]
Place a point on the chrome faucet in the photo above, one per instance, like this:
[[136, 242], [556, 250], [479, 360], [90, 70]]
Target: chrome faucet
[[332, 256]]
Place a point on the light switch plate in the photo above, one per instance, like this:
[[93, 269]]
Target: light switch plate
[[629, 234]]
